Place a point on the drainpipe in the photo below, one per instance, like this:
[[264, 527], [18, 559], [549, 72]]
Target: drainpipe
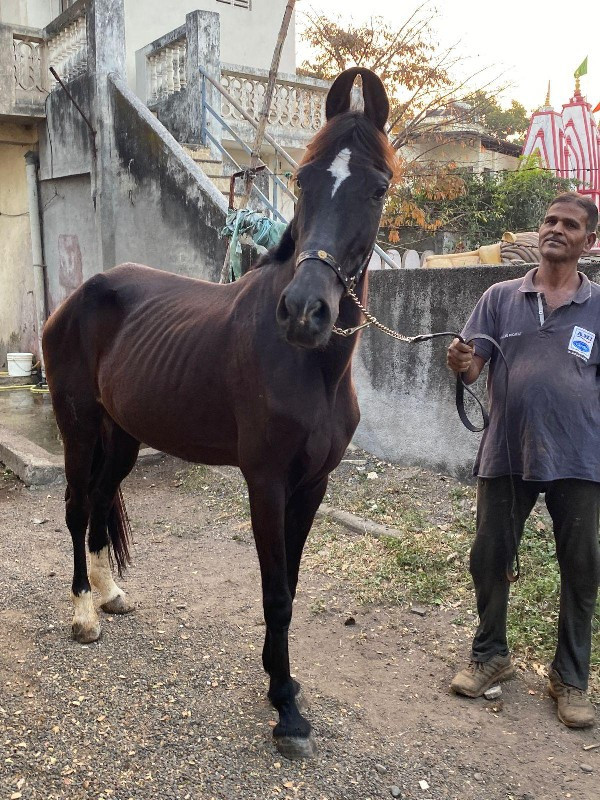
[[39, 283]]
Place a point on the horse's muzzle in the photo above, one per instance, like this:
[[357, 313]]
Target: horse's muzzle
[[304, 323]]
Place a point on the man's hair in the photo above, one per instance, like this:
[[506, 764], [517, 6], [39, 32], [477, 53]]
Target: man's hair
[[582, 201]]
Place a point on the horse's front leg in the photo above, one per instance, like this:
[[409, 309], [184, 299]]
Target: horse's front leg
[[300, 512], [267, 507]]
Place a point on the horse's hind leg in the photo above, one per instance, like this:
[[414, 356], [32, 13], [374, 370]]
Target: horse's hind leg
[[80, 450], [108, 517]]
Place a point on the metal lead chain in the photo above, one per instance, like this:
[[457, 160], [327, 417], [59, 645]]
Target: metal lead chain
[[371, 320]]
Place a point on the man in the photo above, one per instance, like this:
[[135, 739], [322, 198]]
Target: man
[[548, 325]]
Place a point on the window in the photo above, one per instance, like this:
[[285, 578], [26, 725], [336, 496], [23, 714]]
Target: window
[[237, 3]]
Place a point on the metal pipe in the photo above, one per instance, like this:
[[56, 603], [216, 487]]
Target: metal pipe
[[39, 283]]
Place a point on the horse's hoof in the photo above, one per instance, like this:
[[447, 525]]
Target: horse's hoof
[[296, 747], [118, 605], [84, 634]]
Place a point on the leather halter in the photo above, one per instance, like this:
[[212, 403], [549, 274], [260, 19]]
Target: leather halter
[[322, 255]]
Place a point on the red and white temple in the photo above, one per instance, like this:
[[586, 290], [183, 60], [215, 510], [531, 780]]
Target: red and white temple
[[568, 142]]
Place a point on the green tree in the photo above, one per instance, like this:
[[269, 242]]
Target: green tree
[[478, 207], [504, 123], [415, 71]]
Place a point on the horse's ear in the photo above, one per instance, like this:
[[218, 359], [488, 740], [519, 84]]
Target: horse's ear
[[377, 106]]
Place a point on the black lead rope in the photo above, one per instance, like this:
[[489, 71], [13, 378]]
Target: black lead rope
[[349, 284], [512, 574]]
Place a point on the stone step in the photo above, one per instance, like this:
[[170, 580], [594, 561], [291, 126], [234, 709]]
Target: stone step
[[199, 153], [7, 380], [221, 182]]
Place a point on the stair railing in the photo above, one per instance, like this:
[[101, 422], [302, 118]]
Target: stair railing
[[206, 136], [278, 185]]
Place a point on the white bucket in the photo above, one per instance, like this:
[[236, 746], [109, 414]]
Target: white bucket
[[19, 364]]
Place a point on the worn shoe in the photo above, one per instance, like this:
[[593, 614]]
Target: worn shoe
[[573, 705], [479, 676]]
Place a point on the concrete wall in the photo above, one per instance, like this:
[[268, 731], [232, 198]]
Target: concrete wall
[[70, 246], [127, 192], [164, 211], [247, 36], [17, 311], [168, 213], [405, 391], [66, 192]]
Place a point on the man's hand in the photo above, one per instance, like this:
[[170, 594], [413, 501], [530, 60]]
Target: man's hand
[[461, 358]]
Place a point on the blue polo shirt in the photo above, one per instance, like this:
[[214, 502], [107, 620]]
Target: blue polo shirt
[[553, 404]]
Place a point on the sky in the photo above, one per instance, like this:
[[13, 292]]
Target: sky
[[530, 43]]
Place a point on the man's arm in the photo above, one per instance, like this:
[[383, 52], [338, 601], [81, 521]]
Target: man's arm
[[462, 358]]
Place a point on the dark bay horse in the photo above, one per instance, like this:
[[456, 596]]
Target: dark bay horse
[[247, 374]]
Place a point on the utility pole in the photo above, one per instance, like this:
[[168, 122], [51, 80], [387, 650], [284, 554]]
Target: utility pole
[[263, 118], [266, 107]]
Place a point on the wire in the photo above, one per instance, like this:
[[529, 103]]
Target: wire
[[487, 171], [22, 214]]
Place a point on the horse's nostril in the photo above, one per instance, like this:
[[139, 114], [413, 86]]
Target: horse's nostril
[[318, 313], [284, 310]]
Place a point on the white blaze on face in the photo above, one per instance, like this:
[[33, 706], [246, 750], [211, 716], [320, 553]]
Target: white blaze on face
[[101, 576], [340, 169]]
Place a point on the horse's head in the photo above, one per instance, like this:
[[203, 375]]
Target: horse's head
[[343, 180]]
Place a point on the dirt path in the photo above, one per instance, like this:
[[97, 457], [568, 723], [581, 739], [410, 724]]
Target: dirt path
[[171, 702]]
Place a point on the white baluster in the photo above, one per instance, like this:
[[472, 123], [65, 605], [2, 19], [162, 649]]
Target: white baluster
[[60, 46], [31, 52], [183, 64], [176, 77], [159, 76], [152, 84], [71, 50], [170, 72], [225, 107], [277, 103], [62, 38], [81, 46]]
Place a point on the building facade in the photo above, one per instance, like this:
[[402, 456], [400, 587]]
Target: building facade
[[568, 142]]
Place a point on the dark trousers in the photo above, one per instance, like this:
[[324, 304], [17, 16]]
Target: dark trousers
[[574, 507]]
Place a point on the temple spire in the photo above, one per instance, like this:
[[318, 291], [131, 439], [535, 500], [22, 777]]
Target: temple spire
[[547, 103]]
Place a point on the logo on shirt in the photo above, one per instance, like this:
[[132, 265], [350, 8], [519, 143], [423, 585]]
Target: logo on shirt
[[581, 342]]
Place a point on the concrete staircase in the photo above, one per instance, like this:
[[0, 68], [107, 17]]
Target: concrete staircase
[[212, 167]]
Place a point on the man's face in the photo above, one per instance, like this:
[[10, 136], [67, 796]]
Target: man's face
[[563, 235]]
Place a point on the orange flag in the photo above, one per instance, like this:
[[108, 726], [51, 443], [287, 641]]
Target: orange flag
[[597, 108]]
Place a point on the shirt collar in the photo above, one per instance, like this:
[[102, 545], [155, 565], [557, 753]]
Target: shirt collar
[[581, 295]]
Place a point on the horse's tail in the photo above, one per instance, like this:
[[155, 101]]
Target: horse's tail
[[119, 528], [119, 531]]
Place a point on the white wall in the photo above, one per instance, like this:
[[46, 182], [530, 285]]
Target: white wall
[[32, 13], [248, 37]]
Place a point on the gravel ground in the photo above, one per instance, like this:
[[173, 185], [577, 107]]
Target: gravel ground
[[170, 703]]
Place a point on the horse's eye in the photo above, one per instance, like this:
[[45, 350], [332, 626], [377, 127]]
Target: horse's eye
[[380, 193]]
